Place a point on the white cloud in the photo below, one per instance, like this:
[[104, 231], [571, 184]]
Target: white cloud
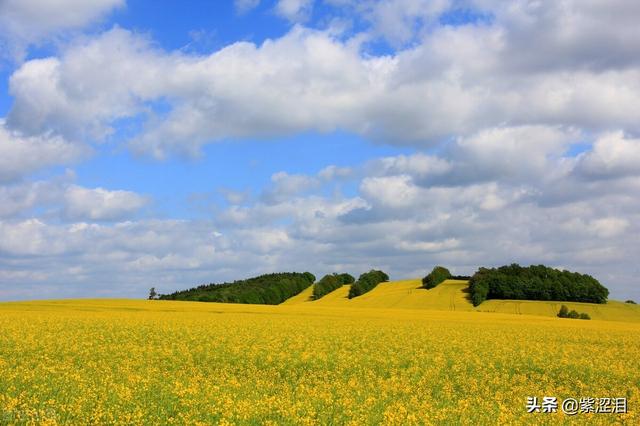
[[608, 227], [294, 10], [392, 191], [22, 155], [515, 153], [418, 165], [32, 21], [458, 81], [101, 204], [501, 101], [83, 94], [410, 227], [20, 198], [613, 155], [284, 186], [244, 6], [332, 172]]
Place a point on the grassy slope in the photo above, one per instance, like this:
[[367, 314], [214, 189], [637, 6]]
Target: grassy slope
[[450, 296], [612, 311], [304, 296], [336, 298]]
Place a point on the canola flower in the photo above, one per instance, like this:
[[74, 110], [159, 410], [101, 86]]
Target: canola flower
[[159, 362]]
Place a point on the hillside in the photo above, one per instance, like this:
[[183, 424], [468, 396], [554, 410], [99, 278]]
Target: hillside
[[305, 295], [611, 311], [451, 295]]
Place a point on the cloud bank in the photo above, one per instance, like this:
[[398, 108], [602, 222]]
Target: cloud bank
[[521, 119]]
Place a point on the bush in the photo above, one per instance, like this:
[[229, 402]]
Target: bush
[[435, 277], [573, 314], [269, 289], [367, 282], [326, 285], [535, 283], [630, 301], [564, 312]]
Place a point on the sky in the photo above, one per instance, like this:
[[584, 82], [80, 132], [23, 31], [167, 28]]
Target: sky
[[172, 144]]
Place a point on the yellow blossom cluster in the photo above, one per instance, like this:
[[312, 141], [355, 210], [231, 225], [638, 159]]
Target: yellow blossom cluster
[[160, 362]]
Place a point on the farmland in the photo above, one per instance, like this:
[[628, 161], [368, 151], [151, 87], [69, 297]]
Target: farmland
[[384, 357], [451, 296]]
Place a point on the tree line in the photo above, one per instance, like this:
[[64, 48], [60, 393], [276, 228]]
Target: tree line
[[268, 289], [536, 282]]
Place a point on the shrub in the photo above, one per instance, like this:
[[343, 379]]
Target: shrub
[[564, 312], [535, 283], [630, 301], [435, 277], [367, 282]]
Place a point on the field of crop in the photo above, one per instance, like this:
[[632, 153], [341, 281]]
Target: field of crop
[[450, 296], [135, 362]]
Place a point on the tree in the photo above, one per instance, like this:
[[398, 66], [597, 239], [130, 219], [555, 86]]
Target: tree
[[437, 275], [152, 293], [346, 278], [326, 285], [367, 282]]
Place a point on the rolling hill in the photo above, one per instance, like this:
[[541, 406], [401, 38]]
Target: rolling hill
[[451, 296]]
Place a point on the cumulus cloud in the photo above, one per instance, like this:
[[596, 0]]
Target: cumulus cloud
[[613, 155], [99, 204], [31, 21], [284, 186], [397, 21], [397, 220], [18, 199], [59, 199], [334, 172], [492, 107], [294, 10], [22, 155], [454, 82]]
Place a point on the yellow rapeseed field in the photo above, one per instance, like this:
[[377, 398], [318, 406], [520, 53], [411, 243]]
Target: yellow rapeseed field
[[451, 296], [162, 362]]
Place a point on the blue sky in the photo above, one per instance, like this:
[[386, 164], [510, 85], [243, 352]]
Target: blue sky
[[183, 143], [242, 164]]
